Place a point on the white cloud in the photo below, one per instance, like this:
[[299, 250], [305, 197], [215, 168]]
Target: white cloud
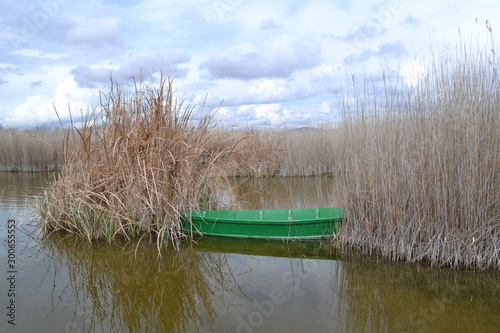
[[267, 110], [412, 73], [39, 109], [27, 52], [138, 65], [271, 114], [97, 31], [268, 89], [34, 110], [278, 56], [324, 108], [286, 58]]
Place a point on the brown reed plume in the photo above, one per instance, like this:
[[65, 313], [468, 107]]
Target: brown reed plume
[[140, 158]]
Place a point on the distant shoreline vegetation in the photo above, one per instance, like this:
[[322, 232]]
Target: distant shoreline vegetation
[[419, 165], [260, 152], [31, 150]]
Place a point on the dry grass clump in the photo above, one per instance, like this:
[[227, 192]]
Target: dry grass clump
[[30, 150], [423, 174], [140, 158]]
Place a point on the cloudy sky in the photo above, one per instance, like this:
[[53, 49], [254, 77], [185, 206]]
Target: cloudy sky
[[273, 62]]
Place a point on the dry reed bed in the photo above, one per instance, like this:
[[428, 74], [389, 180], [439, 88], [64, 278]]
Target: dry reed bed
[[30, 150], [139, 159], [422, 176], [303, 152], [309, 151], [258, 152]]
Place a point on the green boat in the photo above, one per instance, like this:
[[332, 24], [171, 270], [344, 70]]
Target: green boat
[[286, 224]]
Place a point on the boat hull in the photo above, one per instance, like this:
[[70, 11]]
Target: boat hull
[[310, 223]]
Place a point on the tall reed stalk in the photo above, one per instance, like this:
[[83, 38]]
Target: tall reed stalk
[[140, 158], [422, 166]]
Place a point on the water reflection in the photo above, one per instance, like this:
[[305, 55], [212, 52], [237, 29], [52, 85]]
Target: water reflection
[[271, 248], [282, 193], [224, 285], [128, 289], [16, 188], [207, 286], [390, 297]]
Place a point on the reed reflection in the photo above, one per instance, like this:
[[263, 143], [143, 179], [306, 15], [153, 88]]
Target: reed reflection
[[16, 188], [377, 296], [228, 285], [128, 288]]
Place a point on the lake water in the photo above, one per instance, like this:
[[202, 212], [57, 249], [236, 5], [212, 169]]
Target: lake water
[[64, 284]]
